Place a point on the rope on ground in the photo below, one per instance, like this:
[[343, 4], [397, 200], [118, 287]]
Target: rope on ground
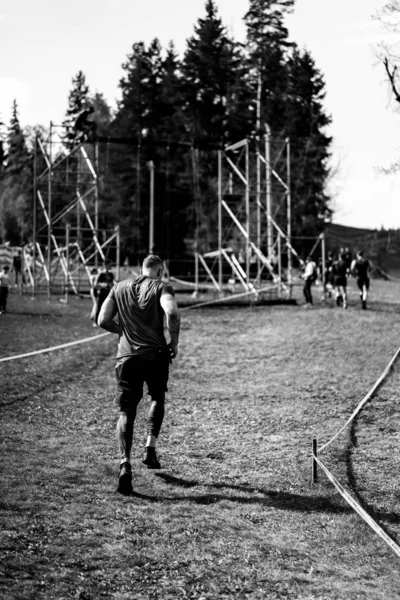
[[96, 337], [60, 347], [363, 514], [344, 493], [367, 397]]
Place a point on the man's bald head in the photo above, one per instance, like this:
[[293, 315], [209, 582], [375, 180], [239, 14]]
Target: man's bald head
[[152, 266]]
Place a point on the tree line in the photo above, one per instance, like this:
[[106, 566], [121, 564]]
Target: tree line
[[175, 112]]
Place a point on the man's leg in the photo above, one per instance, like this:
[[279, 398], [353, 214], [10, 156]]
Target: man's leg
[[157, 382], [155, 418], [130, 389], [365, 293], [306, 292], [125, 425], [344, 296]]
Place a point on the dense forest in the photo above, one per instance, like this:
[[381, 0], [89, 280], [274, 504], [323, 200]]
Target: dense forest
[[175, 112]]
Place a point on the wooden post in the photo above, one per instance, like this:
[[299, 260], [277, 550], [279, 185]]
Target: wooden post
[[314, 462]]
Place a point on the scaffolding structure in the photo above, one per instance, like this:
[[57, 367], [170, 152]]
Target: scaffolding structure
[[67, 241], [265, 251]]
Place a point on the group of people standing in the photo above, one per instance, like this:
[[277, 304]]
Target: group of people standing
[[337, 271]]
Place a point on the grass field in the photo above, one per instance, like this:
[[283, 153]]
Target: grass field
[[233, 512]]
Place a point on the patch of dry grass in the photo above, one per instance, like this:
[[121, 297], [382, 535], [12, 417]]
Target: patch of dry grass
[[233, 513]]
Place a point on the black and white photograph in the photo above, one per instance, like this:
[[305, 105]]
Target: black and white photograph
[[200, 300]]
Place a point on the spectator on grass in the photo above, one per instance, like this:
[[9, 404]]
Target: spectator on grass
[[340, 272], [93, 294], [17, 268], [310, 276], [143, 355], [4, 287], [328, 277], [360, 268], [104, 283]]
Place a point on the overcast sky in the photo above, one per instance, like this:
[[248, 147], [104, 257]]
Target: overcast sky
[[44, 43]]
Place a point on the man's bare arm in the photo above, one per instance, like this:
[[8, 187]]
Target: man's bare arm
[[106, 317], [170, 307]]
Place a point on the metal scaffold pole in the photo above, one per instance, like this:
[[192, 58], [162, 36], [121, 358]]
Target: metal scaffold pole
[[258, 164], [289, 218], [34, 225], [268, 190], [247, 212], [220, 218], [118, 250], [150, 165], [96, 199], [67, 235], [49, 212]]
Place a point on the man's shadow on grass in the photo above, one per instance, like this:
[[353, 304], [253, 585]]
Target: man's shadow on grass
[[272, 498]]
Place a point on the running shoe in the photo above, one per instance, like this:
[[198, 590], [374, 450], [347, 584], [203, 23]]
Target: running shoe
[[150, 458], [125, 479]]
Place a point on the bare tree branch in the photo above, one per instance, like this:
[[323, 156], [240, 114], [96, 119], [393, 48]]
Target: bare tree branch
[[391, 73]]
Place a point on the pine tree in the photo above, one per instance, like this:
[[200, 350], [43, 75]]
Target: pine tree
[[78, 99], [2, 147], [265, 25], [16, 185], [102, 114], [267, 42], [210, 71], [150, 112], [305, 124]]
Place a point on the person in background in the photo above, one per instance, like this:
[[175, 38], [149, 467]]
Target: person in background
[[85, 126], [310, 276], [17, 268], [328, 278], [143, 356], [340, 272], [4, 287], [104, 283], [93, 294], [347, 257], [360, 268]]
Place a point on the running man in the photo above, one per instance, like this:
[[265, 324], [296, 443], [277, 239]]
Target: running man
[[143, 356], [340, 272], [360, 268]]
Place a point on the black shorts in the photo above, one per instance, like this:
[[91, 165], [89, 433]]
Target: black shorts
[[340, 281], [361, 282], [134, 372]]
